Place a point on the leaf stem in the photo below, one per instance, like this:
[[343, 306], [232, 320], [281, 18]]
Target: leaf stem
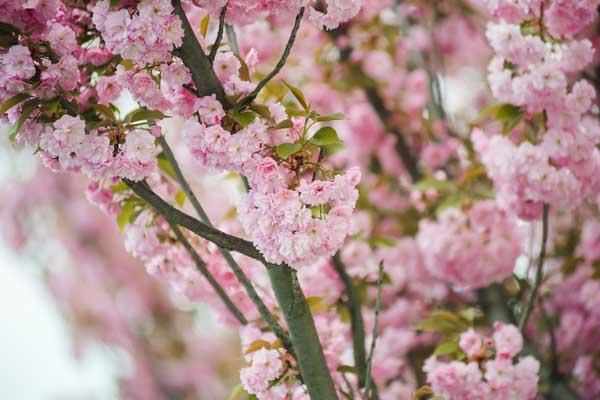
[[368, 382], [286, 52], [217, 43]]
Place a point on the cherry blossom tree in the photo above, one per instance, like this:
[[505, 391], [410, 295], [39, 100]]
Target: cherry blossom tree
[[382, 199]]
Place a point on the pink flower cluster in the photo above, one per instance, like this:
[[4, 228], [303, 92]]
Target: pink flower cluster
[[248, 11], [483, 377], [278, 211], [30, 15], [66, 146], [562, 17], [216, 147], [532, 70], [267, 363], [280, 220], [160, 88], [471, 249], [147, 36], [17, 67]]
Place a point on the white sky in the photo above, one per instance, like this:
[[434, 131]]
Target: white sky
[[36, 361]]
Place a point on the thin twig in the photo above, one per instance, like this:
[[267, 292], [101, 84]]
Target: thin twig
[[233, 265], [217, 43], [286, 52], [553, 345], [408, 160], [385, 116], [201, 265], [368, 382], [232, 39], [539, 273], [356, 320]]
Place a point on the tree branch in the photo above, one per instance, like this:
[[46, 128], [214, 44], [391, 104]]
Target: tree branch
[[217, 43], [408, 160], [291, 300], [201, 265], [385, 116], [356, 320], [201, 229], [303, 334], [368, 381], [233, 265], [193, 57], [286, 52], [538, 273], [309, 352]]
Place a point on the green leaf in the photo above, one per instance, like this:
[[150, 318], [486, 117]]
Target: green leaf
[[294, 112], [244, 118], [143, 114], [452, 201], [236, 392], [445, 348], [127, 211], [165, 166], [7, 40], [298, 95], [52, 104], [257, 345], [325, 136], [285, 124], [204, 25], [330, 117], [422, 393], [507, 114], [26, 111], [344, 313], [106, 111], [8, 28], [508, 111], [443, 322], [432, 183], [8, 35], [347, 369], [332, 149], [119, 187], [489, 111], [261, 110], [287, 149], [114, 3], [13, 101], [180, 197], [244, 71], [385, 241], [317, 304], [469, 314]]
